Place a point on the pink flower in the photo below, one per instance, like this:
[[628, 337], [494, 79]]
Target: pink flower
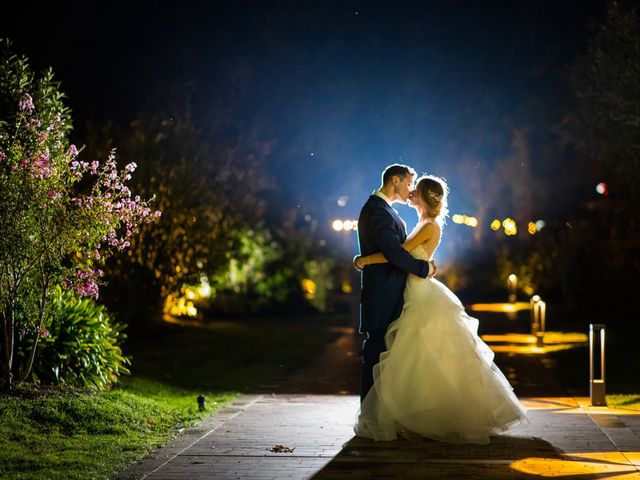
[[53, 195], [3, 156], [43, 333], [40, 167], [26, 103], [73, 150], [85, 283], [131, 167]]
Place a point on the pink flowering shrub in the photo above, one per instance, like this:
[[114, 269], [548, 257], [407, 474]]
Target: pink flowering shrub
[[60, 216]]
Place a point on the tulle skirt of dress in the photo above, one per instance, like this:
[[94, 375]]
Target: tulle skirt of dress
[[437, 378]]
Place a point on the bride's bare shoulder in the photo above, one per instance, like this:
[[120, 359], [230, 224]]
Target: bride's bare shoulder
[[427, 229]]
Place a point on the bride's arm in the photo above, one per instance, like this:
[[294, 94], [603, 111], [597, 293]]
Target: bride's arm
[[421, 236]]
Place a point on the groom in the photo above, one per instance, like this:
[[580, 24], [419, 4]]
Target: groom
[[380, 229]]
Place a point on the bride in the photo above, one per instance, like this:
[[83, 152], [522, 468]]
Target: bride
[[437, 378]]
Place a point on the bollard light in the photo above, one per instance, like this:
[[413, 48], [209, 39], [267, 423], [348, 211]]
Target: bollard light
[[202, 403], [542, 326], [596, 385], [538, 319], [535, 314], [512, 285]]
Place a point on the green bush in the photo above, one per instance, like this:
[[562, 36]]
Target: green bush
[[83, 346]]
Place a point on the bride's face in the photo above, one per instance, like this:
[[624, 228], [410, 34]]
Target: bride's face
[[413, 199]]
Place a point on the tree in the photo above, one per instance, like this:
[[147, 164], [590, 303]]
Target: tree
[[208, 190], [59, 217], [605, 124]]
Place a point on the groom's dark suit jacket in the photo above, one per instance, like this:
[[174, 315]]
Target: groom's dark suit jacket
[[380, 229]]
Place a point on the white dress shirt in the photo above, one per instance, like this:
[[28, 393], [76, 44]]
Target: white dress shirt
[[378, 193]]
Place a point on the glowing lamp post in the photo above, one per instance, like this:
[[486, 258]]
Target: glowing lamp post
[[512, 285], [538, 319], [535, 324], [596, 385]]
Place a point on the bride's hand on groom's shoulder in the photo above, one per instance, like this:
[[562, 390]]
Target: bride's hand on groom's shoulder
[[358, 264]]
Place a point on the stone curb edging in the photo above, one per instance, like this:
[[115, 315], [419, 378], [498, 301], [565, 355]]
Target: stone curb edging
[[189, 437]]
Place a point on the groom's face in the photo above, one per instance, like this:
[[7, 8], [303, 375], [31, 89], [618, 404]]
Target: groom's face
[[405, 186]]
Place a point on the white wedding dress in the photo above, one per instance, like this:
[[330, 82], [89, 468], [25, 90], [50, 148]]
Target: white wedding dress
[[437, 378]]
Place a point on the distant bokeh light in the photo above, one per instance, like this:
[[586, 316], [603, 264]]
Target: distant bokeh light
[[344, 225], [464, 219], [510, 227], [471, 222], [602, 189], [309, 288]]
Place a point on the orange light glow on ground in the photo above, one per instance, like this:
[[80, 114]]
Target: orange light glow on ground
[[521, 343], [530, 349], [500, 307], [575, 405], [622, 461], [550, 338], [613, 464]]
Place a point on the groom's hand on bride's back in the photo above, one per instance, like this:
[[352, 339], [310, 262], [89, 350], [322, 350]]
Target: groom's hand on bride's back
[[356, 264]]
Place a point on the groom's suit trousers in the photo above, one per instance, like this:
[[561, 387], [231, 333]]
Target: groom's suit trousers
[[372, 347]]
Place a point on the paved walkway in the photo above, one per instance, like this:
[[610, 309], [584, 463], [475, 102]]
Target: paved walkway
[[301, 432]]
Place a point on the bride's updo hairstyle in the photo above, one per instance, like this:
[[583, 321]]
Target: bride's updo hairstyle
[[433, 192]]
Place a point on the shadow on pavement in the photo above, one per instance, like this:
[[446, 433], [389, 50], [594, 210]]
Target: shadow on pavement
[[504, 458]]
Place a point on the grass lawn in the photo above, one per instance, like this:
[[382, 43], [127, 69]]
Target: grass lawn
[[56, 434], [627, 402]]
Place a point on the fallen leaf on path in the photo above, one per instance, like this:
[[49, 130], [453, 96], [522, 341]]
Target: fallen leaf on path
[[282, 449]]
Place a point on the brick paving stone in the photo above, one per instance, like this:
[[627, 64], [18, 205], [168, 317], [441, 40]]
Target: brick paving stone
[[558, 442], [566, 438]]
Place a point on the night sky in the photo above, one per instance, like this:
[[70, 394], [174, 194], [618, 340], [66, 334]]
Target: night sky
[[341, 89]]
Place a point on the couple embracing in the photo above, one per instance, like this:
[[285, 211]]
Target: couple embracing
[[425, 370]]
